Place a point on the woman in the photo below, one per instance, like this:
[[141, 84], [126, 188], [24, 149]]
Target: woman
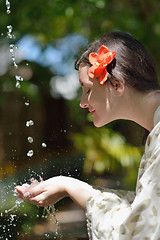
[[119, 81]]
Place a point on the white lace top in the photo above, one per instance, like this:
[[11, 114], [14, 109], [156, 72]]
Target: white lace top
[[124, 215]]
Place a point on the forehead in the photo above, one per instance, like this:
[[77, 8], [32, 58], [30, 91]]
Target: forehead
[[83, 74]]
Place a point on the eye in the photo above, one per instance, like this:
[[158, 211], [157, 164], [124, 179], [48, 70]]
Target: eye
[[88, 91]]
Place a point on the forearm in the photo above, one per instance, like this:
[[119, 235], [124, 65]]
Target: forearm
[[78, 191], [49, 192]]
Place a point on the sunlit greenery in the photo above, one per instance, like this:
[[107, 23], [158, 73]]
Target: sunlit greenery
[[91, 18], [107, 151]]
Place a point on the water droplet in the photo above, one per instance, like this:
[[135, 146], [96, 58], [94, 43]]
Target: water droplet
[[13, 58], [15, 65], [30, 139], [19, 78], [7, 4], [18, 85], [46, 235], [11, 47], [8, 11], [29, 123], [9, 33], [10, 28], [44, 144], [27, 103], [30, 153]]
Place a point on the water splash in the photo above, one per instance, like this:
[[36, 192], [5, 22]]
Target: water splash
[[9, 33], [48, 212], [10, 218], [51, 213], [17, 204], [8, 5], [12, 47]]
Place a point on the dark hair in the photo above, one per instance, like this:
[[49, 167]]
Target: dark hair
[[132, 62]]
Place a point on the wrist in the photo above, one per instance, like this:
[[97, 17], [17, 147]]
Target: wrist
[[62, 180], [77, 190]]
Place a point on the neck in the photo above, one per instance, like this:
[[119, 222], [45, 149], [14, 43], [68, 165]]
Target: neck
[[142, 108]]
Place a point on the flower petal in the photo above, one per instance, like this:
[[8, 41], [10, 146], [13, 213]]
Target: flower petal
[[93, 58], [91, 71], [103, 77], [110, 57], [98, 71], [102, 51], [95, 72]]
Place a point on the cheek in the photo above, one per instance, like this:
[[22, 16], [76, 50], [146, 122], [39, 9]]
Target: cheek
[[99, 100], [98, 97]]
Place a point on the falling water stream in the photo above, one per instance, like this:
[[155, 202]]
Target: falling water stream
[[9, 218]]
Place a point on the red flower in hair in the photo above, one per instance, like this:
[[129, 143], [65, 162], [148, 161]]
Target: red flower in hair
[[99, 63]]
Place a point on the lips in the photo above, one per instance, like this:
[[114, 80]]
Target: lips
[[92, 112]]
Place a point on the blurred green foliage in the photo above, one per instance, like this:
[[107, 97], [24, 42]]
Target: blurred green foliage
[[55, 19], [107, 151]]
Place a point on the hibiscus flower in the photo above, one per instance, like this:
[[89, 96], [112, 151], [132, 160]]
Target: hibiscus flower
[[99, 62]]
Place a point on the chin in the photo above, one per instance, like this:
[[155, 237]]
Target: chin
[[98, 124]]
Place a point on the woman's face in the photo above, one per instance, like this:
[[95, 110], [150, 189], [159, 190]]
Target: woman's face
[[101, 100]]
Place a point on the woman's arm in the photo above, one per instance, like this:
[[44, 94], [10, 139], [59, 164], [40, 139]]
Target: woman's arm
[[47, 193]]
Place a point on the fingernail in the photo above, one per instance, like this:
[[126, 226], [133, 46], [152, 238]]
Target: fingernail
[[26, 194]]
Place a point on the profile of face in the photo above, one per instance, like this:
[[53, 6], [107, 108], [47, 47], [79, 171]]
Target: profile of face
[[103, 101]]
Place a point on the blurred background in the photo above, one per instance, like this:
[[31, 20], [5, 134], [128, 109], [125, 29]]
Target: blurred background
[[43, 131]]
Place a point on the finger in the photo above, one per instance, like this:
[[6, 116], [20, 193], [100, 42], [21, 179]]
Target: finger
[[19, 196], [25, 185], [36, 190], [28, 191], [19, 189], [40, 200]]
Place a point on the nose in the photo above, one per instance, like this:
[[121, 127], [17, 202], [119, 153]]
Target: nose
[[84, 102]]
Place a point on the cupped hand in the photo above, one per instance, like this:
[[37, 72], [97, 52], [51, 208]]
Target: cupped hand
[[44, 193]]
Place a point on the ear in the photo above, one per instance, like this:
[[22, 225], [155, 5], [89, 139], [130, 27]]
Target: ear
[[118, 86]]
